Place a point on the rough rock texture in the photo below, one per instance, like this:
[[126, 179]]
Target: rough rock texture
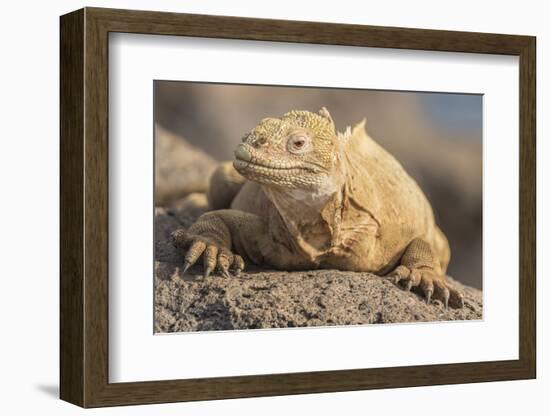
[[262, 298], [176, 159]]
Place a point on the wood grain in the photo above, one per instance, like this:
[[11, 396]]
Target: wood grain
[[84, 206], [72, 367]]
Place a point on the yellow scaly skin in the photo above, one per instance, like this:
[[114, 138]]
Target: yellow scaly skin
[[300, 195]]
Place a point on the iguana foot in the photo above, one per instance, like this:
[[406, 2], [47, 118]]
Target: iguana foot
[[429, 283], [215, 255]]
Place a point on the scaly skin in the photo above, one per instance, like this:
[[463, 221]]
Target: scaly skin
[[301, 195]]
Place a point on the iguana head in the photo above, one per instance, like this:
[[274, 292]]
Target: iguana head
[[296, 151]]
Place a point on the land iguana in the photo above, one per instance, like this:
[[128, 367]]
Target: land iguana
[[300, 195]]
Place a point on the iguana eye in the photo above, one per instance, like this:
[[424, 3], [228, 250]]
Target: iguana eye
[[298, 143]]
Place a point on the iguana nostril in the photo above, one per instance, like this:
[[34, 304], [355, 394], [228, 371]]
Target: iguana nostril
[[242, 153]]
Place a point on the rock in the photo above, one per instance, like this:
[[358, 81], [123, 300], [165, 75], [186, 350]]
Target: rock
[[261, 298], [180, 168]]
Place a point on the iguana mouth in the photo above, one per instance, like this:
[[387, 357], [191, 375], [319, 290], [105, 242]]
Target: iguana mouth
[[245, 164], [247, 158]]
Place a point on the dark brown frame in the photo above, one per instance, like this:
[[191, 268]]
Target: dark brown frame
[[84, 211]]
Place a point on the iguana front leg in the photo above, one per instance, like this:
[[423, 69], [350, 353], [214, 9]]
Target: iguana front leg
[[221, 237], [419, 267]]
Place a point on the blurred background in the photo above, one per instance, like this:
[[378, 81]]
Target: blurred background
[[436, 136]]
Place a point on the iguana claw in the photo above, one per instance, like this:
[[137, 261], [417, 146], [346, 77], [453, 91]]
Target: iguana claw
[[207, 271], [428, 296], [186, 266]]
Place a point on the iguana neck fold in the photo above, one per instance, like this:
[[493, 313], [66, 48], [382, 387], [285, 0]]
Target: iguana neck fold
[[308, 215]]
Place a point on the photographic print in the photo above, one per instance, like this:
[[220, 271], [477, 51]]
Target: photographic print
[[280, 207]]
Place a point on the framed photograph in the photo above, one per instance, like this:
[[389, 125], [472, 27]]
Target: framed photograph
[[255, 207]]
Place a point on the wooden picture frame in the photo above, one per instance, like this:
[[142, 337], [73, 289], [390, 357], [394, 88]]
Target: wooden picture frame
[[84, 207]]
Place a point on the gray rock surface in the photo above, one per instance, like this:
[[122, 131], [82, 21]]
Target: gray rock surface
[[261, 298], [176, 159]]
